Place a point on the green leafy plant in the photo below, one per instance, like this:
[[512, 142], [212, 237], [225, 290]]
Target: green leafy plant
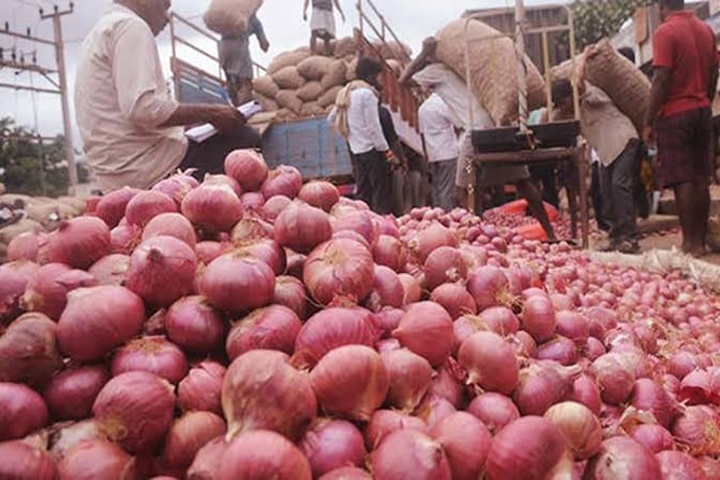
[[597, 19]]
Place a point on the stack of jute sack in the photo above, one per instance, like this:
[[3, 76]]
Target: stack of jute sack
[[230, 17], [299, 84]]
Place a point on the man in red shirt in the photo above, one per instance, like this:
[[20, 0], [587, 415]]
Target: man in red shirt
[[679, 118]]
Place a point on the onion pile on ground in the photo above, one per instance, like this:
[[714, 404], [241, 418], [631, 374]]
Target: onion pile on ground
[[175, 333]]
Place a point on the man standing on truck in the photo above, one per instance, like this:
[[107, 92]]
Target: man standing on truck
[[130, 124], [237, 63], [322, 23]]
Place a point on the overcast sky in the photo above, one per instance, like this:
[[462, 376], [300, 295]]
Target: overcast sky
[[413, 20]]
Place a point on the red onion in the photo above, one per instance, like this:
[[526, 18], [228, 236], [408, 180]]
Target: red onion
[[274, 206], [389, 319], [614, 378], [523, 343], [201, 388], [284, 180], [426, 329], [267, 251], [387, 345], [272, 328], [208, 460], [162, 270], [135, 409], [66, 436], [406, 451], [409, 377], [653, 437], [236, 284], [430, 239], [176, 187], [252, 202], [444, 265], [188, 435], [97, 459], [411, 288], [262, 454], [351, 235], [697, 430], [347, 473], [434, 409], [601, 320], [585, 391], [384, 422], [447, 385], [171, 225], [208, 251], [332, 444], [290, 292], [213, 208], [623, 457], [360, 222], [697, 388], [22, 411], [455, 299], [682, 363], [538, 318], [594, 349], [679, 466], [559, 349], [495, 410], [71, 394], [111, 270], [22, 461], [388, 290], [650, 397], [262, 390], [151, 354], [295, 264], [390, 252], [580, 427], [24, 247], [28, 350], [320, 194], [573, 326], [500, 320], [531, 448], [108, 315], [194, 325], [489, 288], [248, 167], [466, 442], [147, 205], [301, 228], [124, 239], [490, 362], [339, 268], [220, 180], [350, 381], [79, 243], [111, 207], [541, 386], [251, 229], [47, 290], [710, 467]]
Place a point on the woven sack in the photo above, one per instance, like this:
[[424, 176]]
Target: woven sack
[[266, 86], [288, 78], [11, 231], [625, 84], [288, 99], [393, 50], [78, 205], [328, 98], [344, 47], [268, 104], [310, 92], [315, 67], [336, 75], [287, 59], [564, 70], [311, 109], [230, 17]]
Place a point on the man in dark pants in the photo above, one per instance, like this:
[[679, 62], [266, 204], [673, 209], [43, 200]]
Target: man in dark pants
[[679, 118], [236, 62]]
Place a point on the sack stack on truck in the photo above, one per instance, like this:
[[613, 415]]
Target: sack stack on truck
[[230, 17]]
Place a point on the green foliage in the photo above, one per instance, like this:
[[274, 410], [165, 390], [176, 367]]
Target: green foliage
[[597, 19]]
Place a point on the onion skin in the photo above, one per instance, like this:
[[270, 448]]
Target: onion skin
[[697, 430], [406, 451], [427, 329], [466, 442], [679, 466], [146, 205], [111, 270], [559, 349], [495, 410], [455, 299], [135, 409], [70, 395], [538, 318], [350, 382], [389, 252], [384, 422], [585, 391], [152, 354], [14, 277], [430, 239], [124, 239], [409, 376], [78, 243], [201, 388], [176, 187], [359, 222], [347, 473], [208, 251], [710, 467], [272, 328], [650, 397], [615, 380], [541, 386], [28, 350], [237, 284], [580, 426], [434, 409], [28, 462], [267, 251], [260, 455], [444, 265], [653, 437], [24, 247], [171, 225], [109, 315], [623, 457], [302, 228], [501, 320], [97, 460], [251, 229], [47, 290], [530, 448], [194, 325], [208, 459], [284, 180], [22, 411], [65, 438], [188, 435], [331, 444], [248, 168], [274, 206], [491, 363], [290, 292], [573, 326], [320, 194], [213, 208], [489, 287], [262, 390], [388, 290], [411, 288]]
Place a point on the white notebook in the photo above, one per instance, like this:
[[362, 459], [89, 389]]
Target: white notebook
[[203, 132]]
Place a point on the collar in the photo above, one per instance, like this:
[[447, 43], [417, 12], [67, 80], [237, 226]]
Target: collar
[[680, 14]]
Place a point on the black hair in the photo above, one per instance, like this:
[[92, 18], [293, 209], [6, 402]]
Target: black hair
[[367, 68], [628, 53], [561, 90], [673, 4]]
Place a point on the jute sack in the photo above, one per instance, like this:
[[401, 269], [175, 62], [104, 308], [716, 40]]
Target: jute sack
[[287, 59], [288, 99], [344, 46], [328, 98], [394, 50], [310, 109], [12, 231], [310, 91], [78, 205], [230, 17], [314, 68], [266, 86], [335, 75], [284, 114], [268, 104], [288, 78], [625, 84], [535, 87], [564, 70]]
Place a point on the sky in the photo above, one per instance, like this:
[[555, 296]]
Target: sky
[[412, 20]]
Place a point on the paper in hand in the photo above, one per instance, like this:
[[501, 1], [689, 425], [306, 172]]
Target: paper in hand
[[203, 132]]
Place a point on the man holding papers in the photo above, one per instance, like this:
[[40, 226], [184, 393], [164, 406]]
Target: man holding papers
[[131, 126]]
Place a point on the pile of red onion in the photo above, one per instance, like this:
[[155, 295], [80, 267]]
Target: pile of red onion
[[250, 326]]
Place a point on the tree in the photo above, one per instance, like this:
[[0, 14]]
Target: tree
[[597, 19]]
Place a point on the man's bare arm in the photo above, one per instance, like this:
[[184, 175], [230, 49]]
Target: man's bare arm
[[339, 9], [426, 56], [658, 95]]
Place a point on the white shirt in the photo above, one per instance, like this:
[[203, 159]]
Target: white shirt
[[363, 118], [437, 124], [121, 99]]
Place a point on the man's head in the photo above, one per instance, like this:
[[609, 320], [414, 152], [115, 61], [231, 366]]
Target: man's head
[[368, 70], [628, 53], [562, 96], [669, 6], [156, 13]]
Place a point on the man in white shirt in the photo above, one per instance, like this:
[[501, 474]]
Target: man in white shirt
[[437, 126], [130, 124], [357, 117]]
